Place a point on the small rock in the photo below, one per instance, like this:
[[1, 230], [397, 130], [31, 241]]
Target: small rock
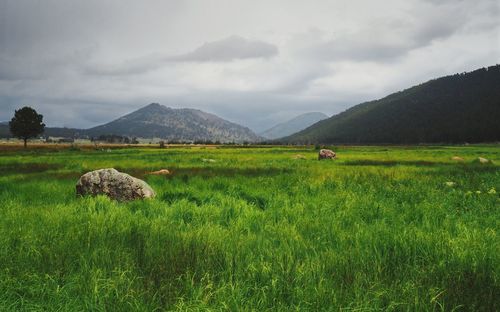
[[483, 160], [299, 156], [208, 160], [160, 172], [456, 158], [326, 154], [449, 183], [116, 185]]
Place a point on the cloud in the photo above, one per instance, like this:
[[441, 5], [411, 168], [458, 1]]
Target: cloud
[[84, 63], [418, 26], [385, 41], [226, 50], [19, 67], [460, 2], [229, 49]]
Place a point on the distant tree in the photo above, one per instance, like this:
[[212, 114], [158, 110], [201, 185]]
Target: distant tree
[[111, 138], [26, 124]]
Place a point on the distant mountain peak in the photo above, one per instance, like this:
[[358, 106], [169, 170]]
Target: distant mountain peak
[[175, 124], [152, 107], [293, 125]]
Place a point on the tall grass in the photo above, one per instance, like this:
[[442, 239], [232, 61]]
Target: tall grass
[[256, 230]]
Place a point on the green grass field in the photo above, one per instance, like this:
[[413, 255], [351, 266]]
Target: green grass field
[[377, 229]]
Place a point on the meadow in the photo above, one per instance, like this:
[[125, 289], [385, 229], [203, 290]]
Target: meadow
[[379, 229]]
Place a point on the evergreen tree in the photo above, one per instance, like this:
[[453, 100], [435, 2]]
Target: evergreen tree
[[26, 124]]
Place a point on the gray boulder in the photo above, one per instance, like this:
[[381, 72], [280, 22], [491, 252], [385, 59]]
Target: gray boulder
[[326, 154], [114, 184]]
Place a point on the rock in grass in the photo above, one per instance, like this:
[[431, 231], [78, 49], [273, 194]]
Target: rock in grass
[[160, 172], [326, 154], [483, 160], [114, 184], [456, 158]]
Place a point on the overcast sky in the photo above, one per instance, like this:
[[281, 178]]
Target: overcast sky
[[82, 63]]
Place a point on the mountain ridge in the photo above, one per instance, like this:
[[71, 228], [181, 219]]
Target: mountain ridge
[[457, 108], [159, 121], [293, 125], [451, 109], [179, 124]]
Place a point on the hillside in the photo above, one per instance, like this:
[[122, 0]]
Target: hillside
[[293, 125], [4, 129], [184, 124], [49, 131], [158, 121], [453, 109]]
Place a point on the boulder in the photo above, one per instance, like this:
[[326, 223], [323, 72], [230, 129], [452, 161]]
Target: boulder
[[326, 154], [456, 158], [160, 172], [114, 184], [483, 160]]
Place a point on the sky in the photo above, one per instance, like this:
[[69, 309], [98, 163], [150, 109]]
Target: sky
[[257, 63]]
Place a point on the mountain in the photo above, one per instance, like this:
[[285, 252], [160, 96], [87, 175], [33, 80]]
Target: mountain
[[293, 125], [64, 132], [158, 121], [4, 129], [453, 109], [184, 124], [53, 132]]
